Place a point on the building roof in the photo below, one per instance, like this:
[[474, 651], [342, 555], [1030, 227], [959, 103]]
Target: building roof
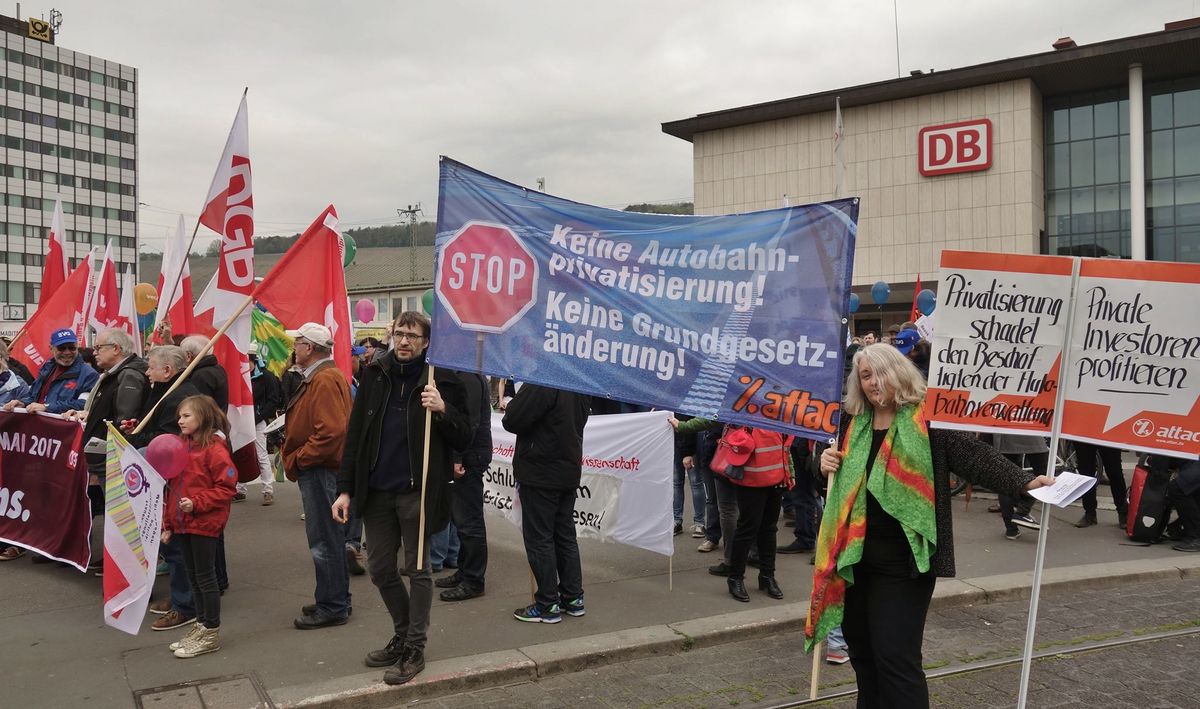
[[1171, 53], [374, 269]]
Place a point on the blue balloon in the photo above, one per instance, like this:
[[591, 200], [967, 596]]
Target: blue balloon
[[880, 292], [145, 321], [926, 301], [854, 302]]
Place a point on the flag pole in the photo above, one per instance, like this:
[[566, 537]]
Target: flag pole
[[818, 651], [195, 361], [1044, 531], [424, 477]]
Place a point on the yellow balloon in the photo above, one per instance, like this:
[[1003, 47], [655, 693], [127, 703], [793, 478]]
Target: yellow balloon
[[145, 298]]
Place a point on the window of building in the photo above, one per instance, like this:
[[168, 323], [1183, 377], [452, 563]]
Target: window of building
[[1087, 172], [1173, 171]]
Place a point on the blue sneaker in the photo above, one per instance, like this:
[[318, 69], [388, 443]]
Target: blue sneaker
[[533, 614], [574, 607]]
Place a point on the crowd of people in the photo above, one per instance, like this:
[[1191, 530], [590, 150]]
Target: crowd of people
[[873, 511]]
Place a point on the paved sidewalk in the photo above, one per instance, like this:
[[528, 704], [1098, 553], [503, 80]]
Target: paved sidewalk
[[769, 668]]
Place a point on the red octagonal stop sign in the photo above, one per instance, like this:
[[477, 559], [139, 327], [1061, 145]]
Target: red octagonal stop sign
[[487, 279]]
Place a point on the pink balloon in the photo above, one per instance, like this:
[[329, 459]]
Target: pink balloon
[[168, 454], [365, 310]]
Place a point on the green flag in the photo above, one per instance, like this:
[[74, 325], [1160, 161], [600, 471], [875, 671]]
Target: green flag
[[271, 339]]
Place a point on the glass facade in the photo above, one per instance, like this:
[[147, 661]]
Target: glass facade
[[1087, 172]]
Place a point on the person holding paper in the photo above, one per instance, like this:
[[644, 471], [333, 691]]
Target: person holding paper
[[887, 533]]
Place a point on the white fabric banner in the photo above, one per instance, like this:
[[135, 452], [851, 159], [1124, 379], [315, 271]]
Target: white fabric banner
[[625, 493], [133, 514]]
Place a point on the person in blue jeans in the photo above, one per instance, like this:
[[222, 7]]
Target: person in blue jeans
[[312, 454], [692, 475], [443, 549]]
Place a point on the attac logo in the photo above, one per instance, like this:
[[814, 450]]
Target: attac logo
[[1143, 428], [39, 29], [955, 147]]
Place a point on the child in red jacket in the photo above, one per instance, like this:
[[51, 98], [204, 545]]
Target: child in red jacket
[[197, 508]]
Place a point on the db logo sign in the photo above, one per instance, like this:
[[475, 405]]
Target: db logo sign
[[955, 147], [1143, 428]]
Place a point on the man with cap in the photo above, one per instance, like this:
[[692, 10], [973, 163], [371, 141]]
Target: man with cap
[[63, 382], [312, 453], [909, 342]]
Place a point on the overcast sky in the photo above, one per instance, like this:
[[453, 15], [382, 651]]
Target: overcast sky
[[353, 102]]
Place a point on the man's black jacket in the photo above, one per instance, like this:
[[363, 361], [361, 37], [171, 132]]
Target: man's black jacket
[[549, 427], [118, 395], [451, 430]]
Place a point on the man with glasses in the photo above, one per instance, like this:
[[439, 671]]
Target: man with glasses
[[312, 452], [118, 395], [63, 382], [381, 473]]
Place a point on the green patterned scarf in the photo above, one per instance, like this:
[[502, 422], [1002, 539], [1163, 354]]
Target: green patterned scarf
[[901, 479]]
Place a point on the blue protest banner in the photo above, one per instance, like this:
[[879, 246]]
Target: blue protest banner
[[738, 317]]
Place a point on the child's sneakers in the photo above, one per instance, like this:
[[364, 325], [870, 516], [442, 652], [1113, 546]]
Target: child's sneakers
[[192, 631], [204, 641], [574, 607], [534, 614]]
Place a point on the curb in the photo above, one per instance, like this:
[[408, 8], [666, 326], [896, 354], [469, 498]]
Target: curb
[[525, 664]]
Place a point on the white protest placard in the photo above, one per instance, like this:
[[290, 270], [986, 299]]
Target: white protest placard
[[1001, 325], [1134, 377], [625, 492]]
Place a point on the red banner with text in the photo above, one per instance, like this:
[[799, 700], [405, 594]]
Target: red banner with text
[[43, 487]]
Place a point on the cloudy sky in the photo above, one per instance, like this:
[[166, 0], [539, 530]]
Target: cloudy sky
[[353, 102]]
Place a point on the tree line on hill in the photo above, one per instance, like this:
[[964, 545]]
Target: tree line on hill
[[419, 234]]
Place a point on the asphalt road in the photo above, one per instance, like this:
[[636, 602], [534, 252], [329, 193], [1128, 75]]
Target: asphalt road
[[57, 651]]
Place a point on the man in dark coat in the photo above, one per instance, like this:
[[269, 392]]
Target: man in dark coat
[[381, 477], [466, 509], [548, 465], [118, 395]]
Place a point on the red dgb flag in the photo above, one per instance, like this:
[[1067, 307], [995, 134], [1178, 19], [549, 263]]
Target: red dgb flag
[[44, 506], [229, 211], [309, 285]]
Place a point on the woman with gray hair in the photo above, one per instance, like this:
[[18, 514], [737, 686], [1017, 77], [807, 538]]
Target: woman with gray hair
[[887, 532], [166, 363]]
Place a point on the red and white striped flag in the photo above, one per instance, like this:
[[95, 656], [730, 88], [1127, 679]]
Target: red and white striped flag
[[105, 311], [129, 309], [54, 273], [175, 286], [229, 211]]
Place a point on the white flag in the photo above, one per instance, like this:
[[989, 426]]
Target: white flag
[[839, 158], [133, 514]]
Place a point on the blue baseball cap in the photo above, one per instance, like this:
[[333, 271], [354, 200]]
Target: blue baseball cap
[[905, 340], [63, 337]]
